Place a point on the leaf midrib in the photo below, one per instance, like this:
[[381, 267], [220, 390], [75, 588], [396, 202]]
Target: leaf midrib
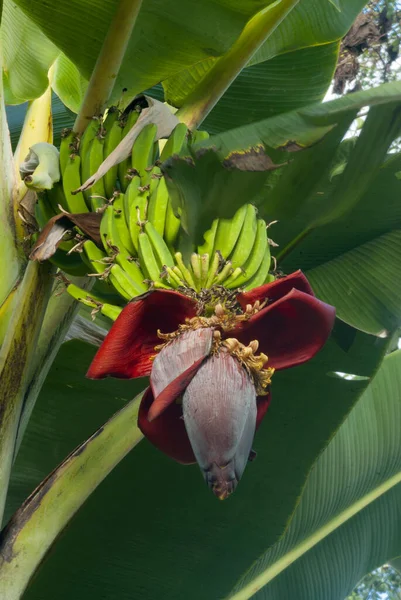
[[308, 543]]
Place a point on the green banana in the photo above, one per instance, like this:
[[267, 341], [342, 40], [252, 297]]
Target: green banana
[[196, 270], [56, 197], [71, 181], [43, 210], [95, 258], [143, 152], [228, 231], [185, 272], [262, 275], [68, 146], [90, 162], [123, 283], [111, 311], [121, 224], [148, 259], [157, 207], [204, 264], [160, 248], [175, 142], [175, 277], [225, 272], [110, 235], [88, 135], [69, 263], [127, 122], [113, 135], [171, 226], [89, 298], [209, 236], [246, 238], [213, 270], [133, 271], [257, 255], [199, 136], [136, 203]]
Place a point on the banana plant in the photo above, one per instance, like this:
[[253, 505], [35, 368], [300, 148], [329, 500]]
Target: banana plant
[[167, 236]]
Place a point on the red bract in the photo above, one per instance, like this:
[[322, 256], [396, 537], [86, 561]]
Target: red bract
[[203, 401]]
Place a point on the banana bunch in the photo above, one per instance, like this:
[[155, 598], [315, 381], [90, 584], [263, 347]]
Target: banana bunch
[[143, 245]]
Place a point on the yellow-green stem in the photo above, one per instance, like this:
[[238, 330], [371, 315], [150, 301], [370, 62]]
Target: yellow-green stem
[[42, 517], [108, 64], [16, 357], [58, 317], [210, 89]]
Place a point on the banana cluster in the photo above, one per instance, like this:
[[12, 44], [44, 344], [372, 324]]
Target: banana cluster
[[143, 246]]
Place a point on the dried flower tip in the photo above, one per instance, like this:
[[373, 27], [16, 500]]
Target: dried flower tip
[[219, 310], [217, 335], [254, 345], [232, 344], [248, 309]]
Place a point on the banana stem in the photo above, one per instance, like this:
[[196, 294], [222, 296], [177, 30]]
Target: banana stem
[[210, 89], [16, 355], [58, 317], [108, 64]]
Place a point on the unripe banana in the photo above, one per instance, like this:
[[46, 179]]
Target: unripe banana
[[209, 237], [111, 311], [175, 277], [160, 249], [95, 258], [90, 162], [85, 142], [69, 263], [90, 298], [123, 283], [213, 270], [224, 274], [110, 234], [56, 197], [68, 146], [196, 270], [144, 152], [121, 224], [148, 259], [175, 142], [90, 132], [199, 136], [113, 135], [246, 238], [257, 255], [186, 273], [262, 275], [127, 122], [133, 271], [136, 203], [157, 207], [171, 226], [228, 231], [71, 181], [204, 264]]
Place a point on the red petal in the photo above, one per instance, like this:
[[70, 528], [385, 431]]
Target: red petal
[[175, 366], [168, 432], [291, 330], [276, 289], [130, 343], [262, 404]]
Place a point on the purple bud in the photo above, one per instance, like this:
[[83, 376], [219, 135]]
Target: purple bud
[[219, 408]]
